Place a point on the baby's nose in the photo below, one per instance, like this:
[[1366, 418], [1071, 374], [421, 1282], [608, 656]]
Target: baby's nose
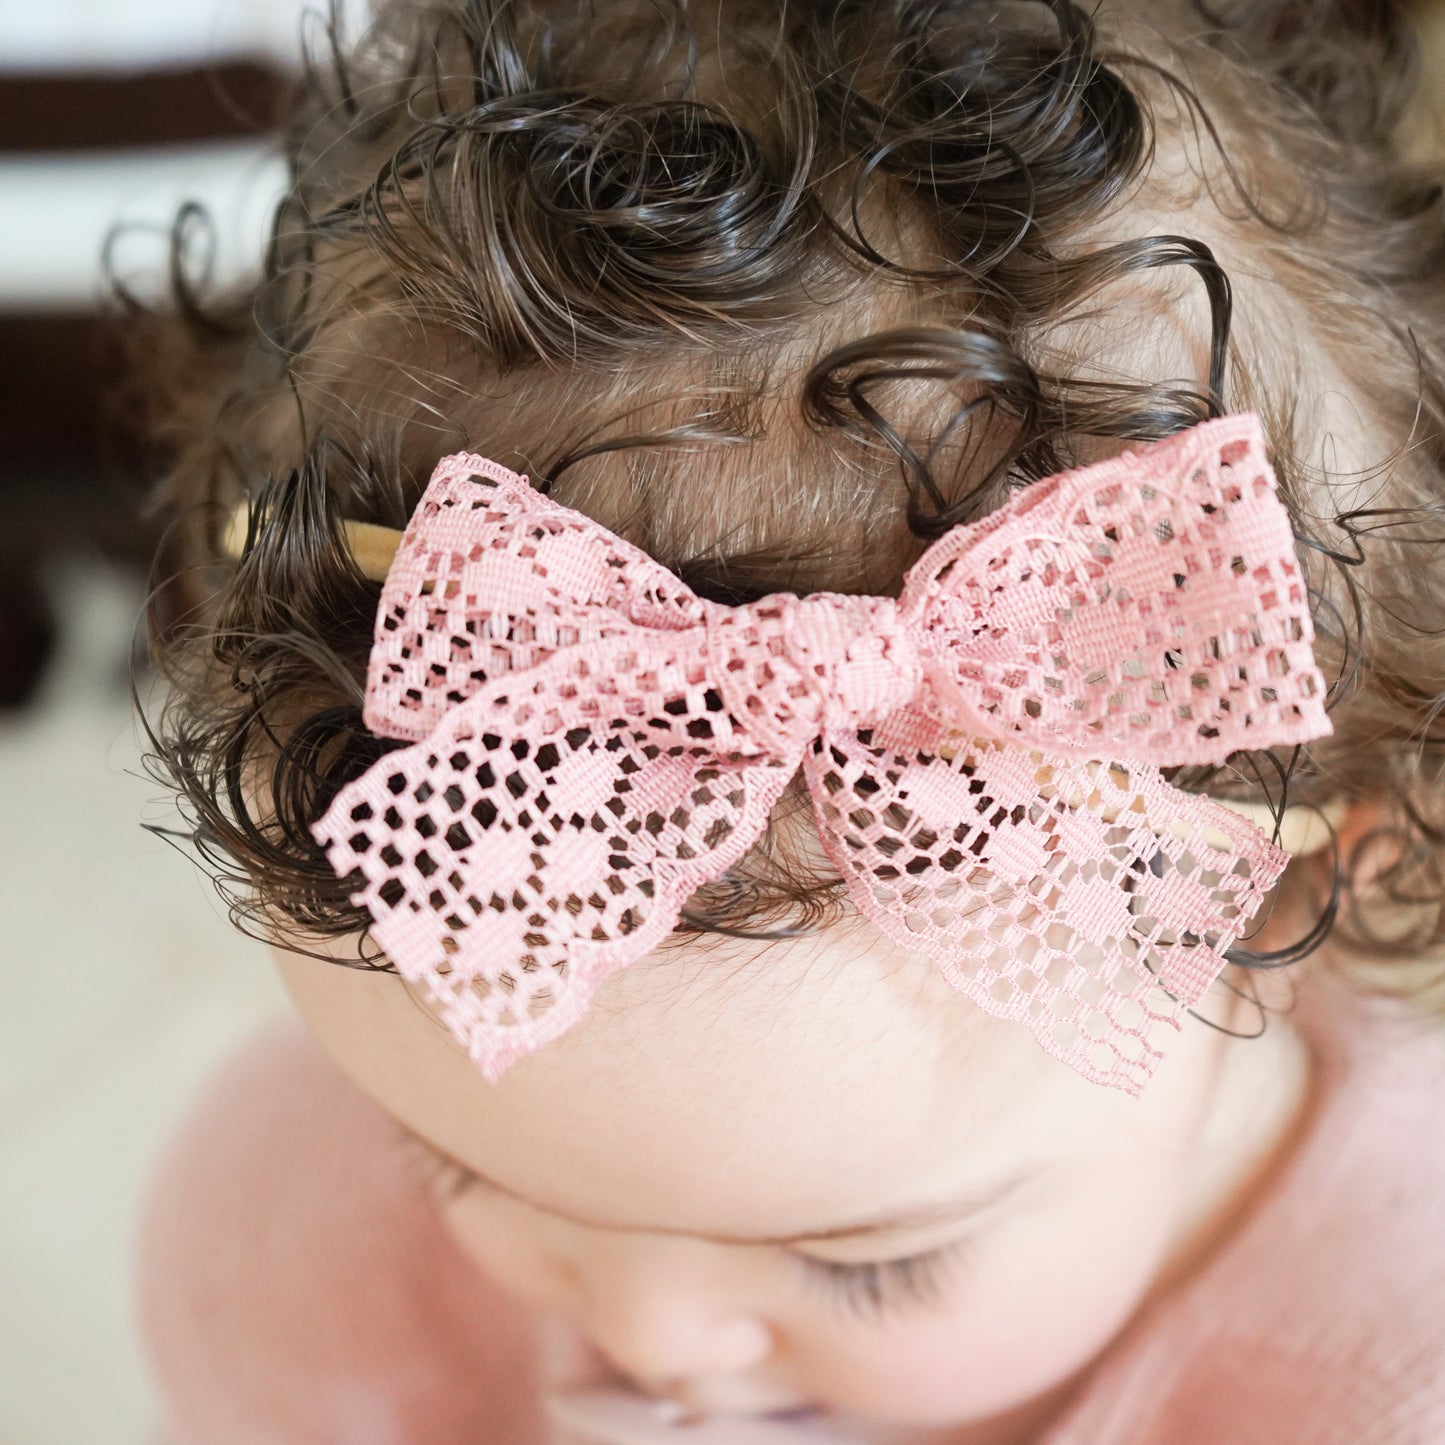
[[664, 1336]]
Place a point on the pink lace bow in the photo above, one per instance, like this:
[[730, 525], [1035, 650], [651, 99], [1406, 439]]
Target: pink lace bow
[[590, 742]]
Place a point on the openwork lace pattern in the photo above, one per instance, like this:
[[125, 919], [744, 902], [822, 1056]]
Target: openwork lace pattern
[[589, 742]]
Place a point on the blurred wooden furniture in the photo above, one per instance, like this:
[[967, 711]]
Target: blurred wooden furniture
[[68, 476]]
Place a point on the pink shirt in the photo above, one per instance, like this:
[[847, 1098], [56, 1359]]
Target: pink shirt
[[1321, 1321], [297, 1284]]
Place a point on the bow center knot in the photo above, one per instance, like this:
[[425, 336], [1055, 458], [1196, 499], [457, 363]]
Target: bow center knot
[[790, 668]]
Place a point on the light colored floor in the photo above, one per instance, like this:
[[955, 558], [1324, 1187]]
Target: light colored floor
[[121, 984]]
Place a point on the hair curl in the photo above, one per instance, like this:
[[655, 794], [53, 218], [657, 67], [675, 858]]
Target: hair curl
[[631, 246]]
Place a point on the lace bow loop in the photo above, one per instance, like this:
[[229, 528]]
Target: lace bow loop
[[1147, 608], [491, 579]]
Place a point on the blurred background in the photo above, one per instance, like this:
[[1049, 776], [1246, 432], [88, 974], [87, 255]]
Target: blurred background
[[123, 982]]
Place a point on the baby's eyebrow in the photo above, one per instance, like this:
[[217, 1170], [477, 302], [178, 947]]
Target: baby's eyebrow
[[956, 1210]]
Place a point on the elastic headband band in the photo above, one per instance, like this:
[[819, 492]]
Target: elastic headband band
[[372, 548]]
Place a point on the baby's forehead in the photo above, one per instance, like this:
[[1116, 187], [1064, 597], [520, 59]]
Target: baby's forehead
[[836, 1058], [841, 990], [723, 1088]]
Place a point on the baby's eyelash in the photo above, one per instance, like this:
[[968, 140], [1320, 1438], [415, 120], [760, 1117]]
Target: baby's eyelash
[[442, 1178], [447, 1180], [873, 1290]]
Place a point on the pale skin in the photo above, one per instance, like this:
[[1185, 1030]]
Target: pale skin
[[683, 1175]]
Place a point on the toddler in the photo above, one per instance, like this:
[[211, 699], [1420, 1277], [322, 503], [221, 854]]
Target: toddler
[[813, 628]]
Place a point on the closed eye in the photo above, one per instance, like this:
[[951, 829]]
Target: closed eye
[[871, 1290], [876, 1289]]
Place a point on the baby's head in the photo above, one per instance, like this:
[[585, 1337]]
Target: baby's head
[[781, 294]]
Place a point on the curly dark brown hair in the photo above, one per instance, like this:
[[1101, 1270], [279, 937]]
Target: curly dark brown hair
[[781, 290]]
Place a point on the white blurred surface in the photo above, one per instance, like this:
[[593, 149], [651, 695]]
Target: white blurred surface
[[122, 985], [56, 211], [142, 34]]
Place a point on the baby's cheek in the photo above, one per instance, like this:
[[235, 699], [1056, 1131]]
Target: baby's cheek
[[922, 1375], [1002, 1336], [947, 1372]]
